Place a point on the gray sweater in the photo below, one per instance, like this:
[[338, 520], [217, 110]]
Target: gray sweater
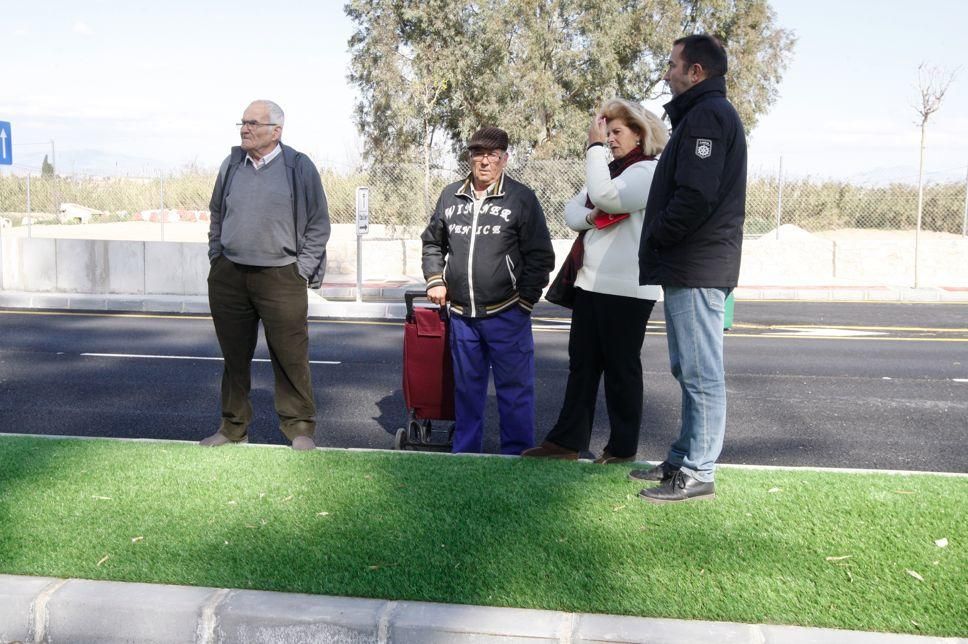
[[309, 210], [258, 228]]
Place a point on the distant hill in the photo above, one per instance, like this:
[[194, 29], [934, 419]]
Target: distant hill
[[94, 162]]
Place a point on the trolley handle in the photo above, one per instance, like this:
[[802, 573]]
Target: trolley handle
[[410, 296]]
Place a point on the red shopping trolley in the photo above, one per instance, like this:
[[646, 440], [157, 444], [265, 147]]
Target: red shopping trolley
[[428, 375]]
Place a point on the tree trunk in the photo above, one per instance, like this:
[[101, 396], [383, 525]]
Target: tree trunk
[[427, 143]]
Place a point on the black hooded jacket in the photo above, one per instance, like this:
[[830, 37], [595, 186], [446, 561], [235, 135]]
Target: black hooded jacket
[[693, 231]]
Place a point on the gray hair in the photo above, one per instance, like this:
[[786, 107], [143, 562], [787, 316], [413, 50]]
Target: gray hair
[[276, 115]]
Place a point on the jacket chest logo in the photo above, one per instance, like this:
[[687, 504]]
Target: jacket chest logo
[[468, 209], [704, 148]]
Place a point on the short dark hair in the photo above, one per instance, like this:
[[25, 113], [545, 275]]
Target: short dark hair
[[706, 51]]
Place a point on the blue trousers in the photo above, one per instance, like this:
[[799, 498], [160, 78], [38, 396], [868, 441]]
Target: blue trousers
[[694, 330], [502, 343]]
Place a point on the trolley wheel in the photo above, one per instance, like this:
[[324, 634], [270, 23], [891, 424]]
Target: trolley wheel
[[425, 432], [413, 431], [400, 440]]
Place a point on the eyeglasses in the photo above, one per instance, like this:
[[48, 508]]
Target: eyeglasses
[[253, 124], [480, 155]]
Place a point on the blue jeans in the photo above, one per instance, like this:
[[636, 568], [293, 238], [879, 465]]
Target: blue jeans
[[694, 329], [502, 343]]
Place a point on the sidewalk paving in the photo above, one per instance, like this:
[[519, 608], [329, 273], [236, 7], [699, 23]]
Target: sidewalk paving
[[384, 298], [44, 609]]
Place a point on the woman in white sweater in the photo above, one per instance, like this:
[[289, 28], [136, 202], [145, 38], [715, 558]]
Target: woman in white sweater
[[611, 309]]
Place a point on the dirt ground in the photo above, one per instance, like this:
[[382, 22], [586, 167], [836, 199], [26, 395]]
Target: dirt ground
[[853, 234]]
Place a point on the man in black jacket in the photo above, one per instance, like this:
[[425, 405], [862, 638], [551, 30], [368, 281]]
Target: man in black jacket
[[267, 245], [691, 244], [487, 252]]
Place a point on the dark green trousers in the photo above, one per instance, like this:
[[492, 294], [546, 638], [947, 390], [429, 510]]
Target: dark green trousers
[[239, 297]]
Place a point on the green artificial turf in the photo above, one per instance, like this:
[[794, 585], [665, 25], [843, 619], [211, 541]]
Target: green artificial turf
[[855, 551]]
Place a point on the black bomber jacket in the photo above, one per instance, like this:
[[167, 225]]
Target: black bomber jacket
[[492, 260]]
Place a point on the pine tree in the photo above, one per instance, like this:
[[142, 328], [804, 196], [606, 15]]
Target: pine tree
[[430, 72]]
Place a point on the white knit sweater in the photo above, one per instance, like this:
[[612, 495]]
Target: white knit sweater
[[611, 262]]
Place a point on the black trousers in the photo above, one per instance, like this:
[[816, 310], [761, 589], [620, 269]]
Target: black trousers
[[239, 297], [606, 337]]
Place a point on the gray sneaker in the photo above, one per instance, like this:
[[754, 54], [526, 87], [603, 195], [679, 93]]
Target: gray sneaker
[[218, 439], [660, 473], [303, 443]]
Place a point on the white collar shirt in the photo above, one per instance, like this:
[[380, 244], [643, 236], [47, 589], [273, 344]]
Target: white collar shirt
[[261, 163]]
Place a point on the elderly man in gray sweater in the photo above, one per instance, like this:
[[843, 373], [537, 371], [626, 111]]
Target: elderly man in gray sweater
[[267, 245]]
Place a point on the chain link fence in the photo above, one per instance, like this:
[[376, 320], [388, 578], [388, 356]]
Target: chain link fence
[[836, 205], [403, 195]]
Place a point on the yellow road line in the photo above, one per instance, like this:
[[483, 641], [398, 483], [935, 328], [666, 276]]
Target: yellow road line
[[835, 337], [172, 316], [910, 303], [565, 328], [398, 323], [794, 325], [107, 314], [849, 327]]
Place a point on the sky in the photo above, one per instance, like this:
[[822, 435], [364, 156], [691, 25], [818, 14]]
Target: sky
[[141, 88]]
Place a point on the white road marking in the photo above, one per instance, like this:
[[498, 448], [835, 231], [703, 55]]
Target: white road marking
[[823, 332], [154, 357], [960, 379]]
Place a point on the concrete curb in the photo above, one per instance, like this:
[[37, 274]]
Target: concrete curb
[[393, 309], [387, 303], [36, 609], [429, 454]]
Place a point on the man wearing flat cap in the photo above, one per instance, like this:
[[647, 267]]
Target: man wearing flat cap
[[487, 254]]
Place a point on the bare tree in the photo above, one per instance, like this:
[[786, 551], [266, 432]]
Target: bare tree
[[933, 84]]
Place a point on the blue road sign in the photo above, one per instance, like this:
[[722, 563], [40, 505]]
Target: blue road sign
[[6, 144]]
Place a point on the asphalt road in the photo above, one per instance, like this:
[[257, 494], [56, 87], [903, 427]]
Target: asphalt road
[[834, 385]]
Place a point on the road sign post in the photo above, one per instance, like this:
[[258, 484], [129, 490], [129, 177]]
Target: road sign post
[[6, 143], [362, 228], [6, 158]]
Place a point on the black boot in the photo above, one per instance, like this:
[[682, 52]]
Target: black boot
[[660, 473], [681, 487]]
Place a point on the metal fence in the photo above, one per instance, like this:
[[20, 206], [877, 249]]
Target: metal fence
[[402, 196], [834, 205]]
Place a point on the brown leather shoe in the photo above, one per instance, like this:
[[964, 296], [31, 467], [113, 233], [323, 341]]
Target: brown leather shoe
[[218, 439], [303, 443], [550, 450], [608, 459]]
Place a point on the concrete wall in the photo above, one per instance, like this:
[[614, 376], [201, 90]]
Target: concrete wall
[[100, 266], [810, 260], [180, 268]]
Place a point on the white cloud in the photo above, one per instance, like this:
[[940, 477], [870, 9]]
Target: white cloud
[[82, 28]]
